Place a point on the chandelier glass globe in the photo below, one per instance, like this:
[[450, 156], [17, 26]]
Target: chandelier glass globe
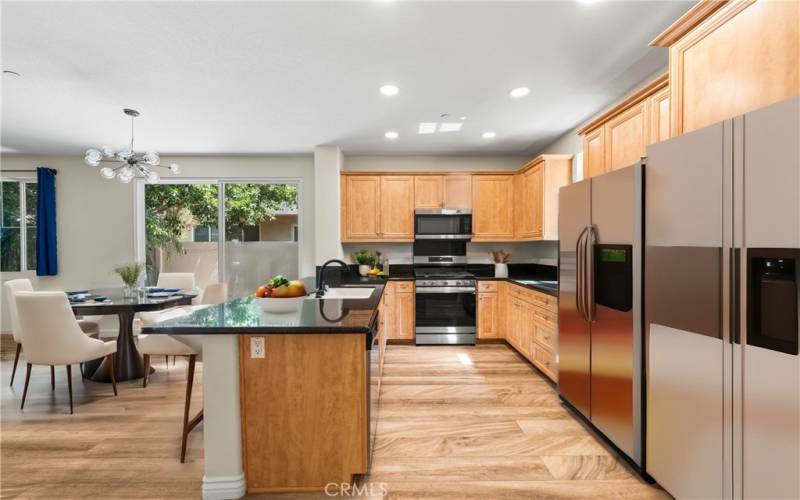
[[129, 163]]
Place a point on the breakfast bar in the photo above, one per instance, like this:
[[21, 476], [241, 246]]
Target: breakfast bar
[[287, 396]]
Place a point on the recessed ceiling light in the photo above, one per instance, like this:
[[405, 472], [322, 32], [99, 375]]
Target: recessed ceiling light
[[519, 92], [463, 118], [391, 134], [427, 128], [450, 126], [488, 135], [389, 90]]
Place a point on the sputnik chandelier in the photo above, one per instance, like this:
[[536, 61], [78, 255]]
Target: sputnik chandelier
[[132, 164]]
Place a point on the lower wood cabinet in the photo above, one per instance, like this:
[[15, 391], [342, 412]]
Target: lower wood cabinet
[[400, 310], [525, 318], [492, 310], [304, 410]]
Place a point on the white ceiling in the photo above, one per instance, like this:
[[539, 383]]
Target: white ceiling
[[283, 77]]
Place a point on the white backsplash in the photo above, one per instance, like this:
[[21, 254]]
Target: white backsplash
[[532, 252]]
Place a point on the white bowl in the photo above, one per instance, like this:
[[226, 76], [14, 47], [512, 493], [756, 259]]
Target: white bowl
[[281, 304]]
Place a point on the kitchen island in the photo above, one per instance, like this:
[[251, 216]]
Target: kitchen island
[[287, 397]]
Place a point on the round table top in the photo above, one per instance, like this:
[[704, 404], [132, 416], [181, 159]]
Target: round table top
[[116, 302]]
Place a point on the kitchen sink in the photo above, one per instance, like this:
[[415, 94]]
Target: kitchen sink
[[348, 293]]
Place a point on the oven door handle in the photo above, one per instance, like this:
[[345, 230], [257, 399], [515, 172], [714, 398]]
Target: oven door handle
[[446, 289]]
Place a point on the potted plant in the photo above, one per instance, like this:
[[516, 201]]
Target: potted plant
[[130, 274], [500, 259], [365, 260]]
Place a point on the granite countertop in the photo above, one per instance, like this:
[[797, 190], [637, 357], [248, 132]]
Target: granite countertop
[[245, 316]]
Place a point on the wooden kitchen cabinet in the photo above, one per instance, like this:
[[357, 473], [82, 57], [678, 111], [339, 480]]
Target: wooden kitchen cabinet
[[659, 116], [428, 191], [488, 311], [619, 137], [493, 207], [397, 208], [401, 310], [377, 208], [443, 191], [536, 197], [361, 196], [594, 153], [458, 191], [729, 58], [626, 136], [533, 327]]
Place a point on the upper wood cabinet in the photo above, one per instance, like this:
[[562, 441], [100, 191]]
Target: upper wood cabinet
[[397, 207], [728, 58], [458, 191], [360, 207], [536, 197], [493, 207], [626, 136], [443, 191], [594, 153], [428, 191], [619, 137], [659, 116], [377, 208], [506, 206]]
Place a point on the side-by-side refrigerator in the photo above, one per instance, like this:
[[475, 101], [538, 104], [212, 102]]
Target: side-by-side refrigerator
[[722, 275], [599, 306]]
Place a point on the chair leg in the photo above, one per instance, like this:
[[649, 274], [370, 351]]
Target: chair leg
[[189, 381], [167, 363], [173, 360], [112, 358], [16, 360], [52, 378], [69, 386], [25, 390], [146, 370]]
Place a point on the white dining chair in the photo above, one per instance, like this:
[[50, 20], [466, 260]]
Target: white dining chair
[[52, 336], [166, 345], [12, 287]]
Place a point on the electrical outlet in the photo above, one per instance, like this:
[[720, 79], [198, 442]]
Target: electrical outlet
[[257, 348]]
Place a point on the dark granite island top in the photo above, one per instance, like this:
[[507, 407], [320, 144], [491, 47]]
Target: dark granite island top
[[244, 316]]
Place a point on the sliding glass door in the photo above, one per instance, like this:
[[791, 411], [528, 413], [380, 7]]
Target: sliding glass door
[[261, 234], [257, 221]]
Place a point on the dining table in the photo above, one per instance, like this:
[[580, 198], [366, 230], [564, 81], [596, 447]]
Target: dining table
[[129, 364]]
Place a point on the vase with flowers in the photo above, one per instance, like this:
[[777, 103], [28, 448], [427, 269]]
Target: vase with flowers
[[500, 259], [130, 274]]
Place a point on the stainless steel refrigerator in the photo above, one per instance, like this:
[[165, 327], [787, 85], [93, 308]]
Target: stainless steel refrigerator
[[722, 263], [599, 306]]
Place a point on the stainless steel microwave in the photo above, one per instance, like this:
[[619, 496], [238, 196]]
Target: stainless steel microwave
[[443, 224]]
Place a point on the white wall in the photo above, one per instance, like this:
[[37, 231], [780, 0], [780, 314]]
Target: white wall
[[95, 216], [327, 166]]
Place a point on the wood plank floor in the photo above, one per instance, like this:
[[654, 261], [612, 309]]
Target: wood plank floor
[[454, 422]]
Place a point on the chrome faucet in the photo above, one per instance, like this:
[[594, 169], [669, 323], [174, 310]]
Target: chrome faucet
[[321, 277]]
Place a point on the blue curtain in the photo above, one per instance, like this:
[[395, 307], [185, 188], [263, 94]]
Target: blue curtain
[[46, 247]]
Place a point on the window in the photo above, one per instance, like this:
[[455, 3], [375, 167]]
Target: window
[[205, 233], [18, 225]]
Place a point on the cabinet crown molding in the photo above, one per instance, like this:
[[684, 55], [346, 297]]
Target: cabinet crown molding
[[687, 22]]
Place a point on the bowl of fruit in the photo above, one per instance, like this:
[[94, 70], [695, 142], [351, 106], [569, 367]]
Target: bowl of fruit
[[280, 295]]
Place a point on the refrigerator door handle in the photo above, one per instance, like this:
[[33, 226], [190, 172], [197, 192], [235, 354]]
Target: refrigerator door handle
[[588, 282], [579, 274]]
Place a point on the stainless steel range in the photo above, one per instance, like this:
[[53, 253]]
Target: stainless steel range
[[445, 292]]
